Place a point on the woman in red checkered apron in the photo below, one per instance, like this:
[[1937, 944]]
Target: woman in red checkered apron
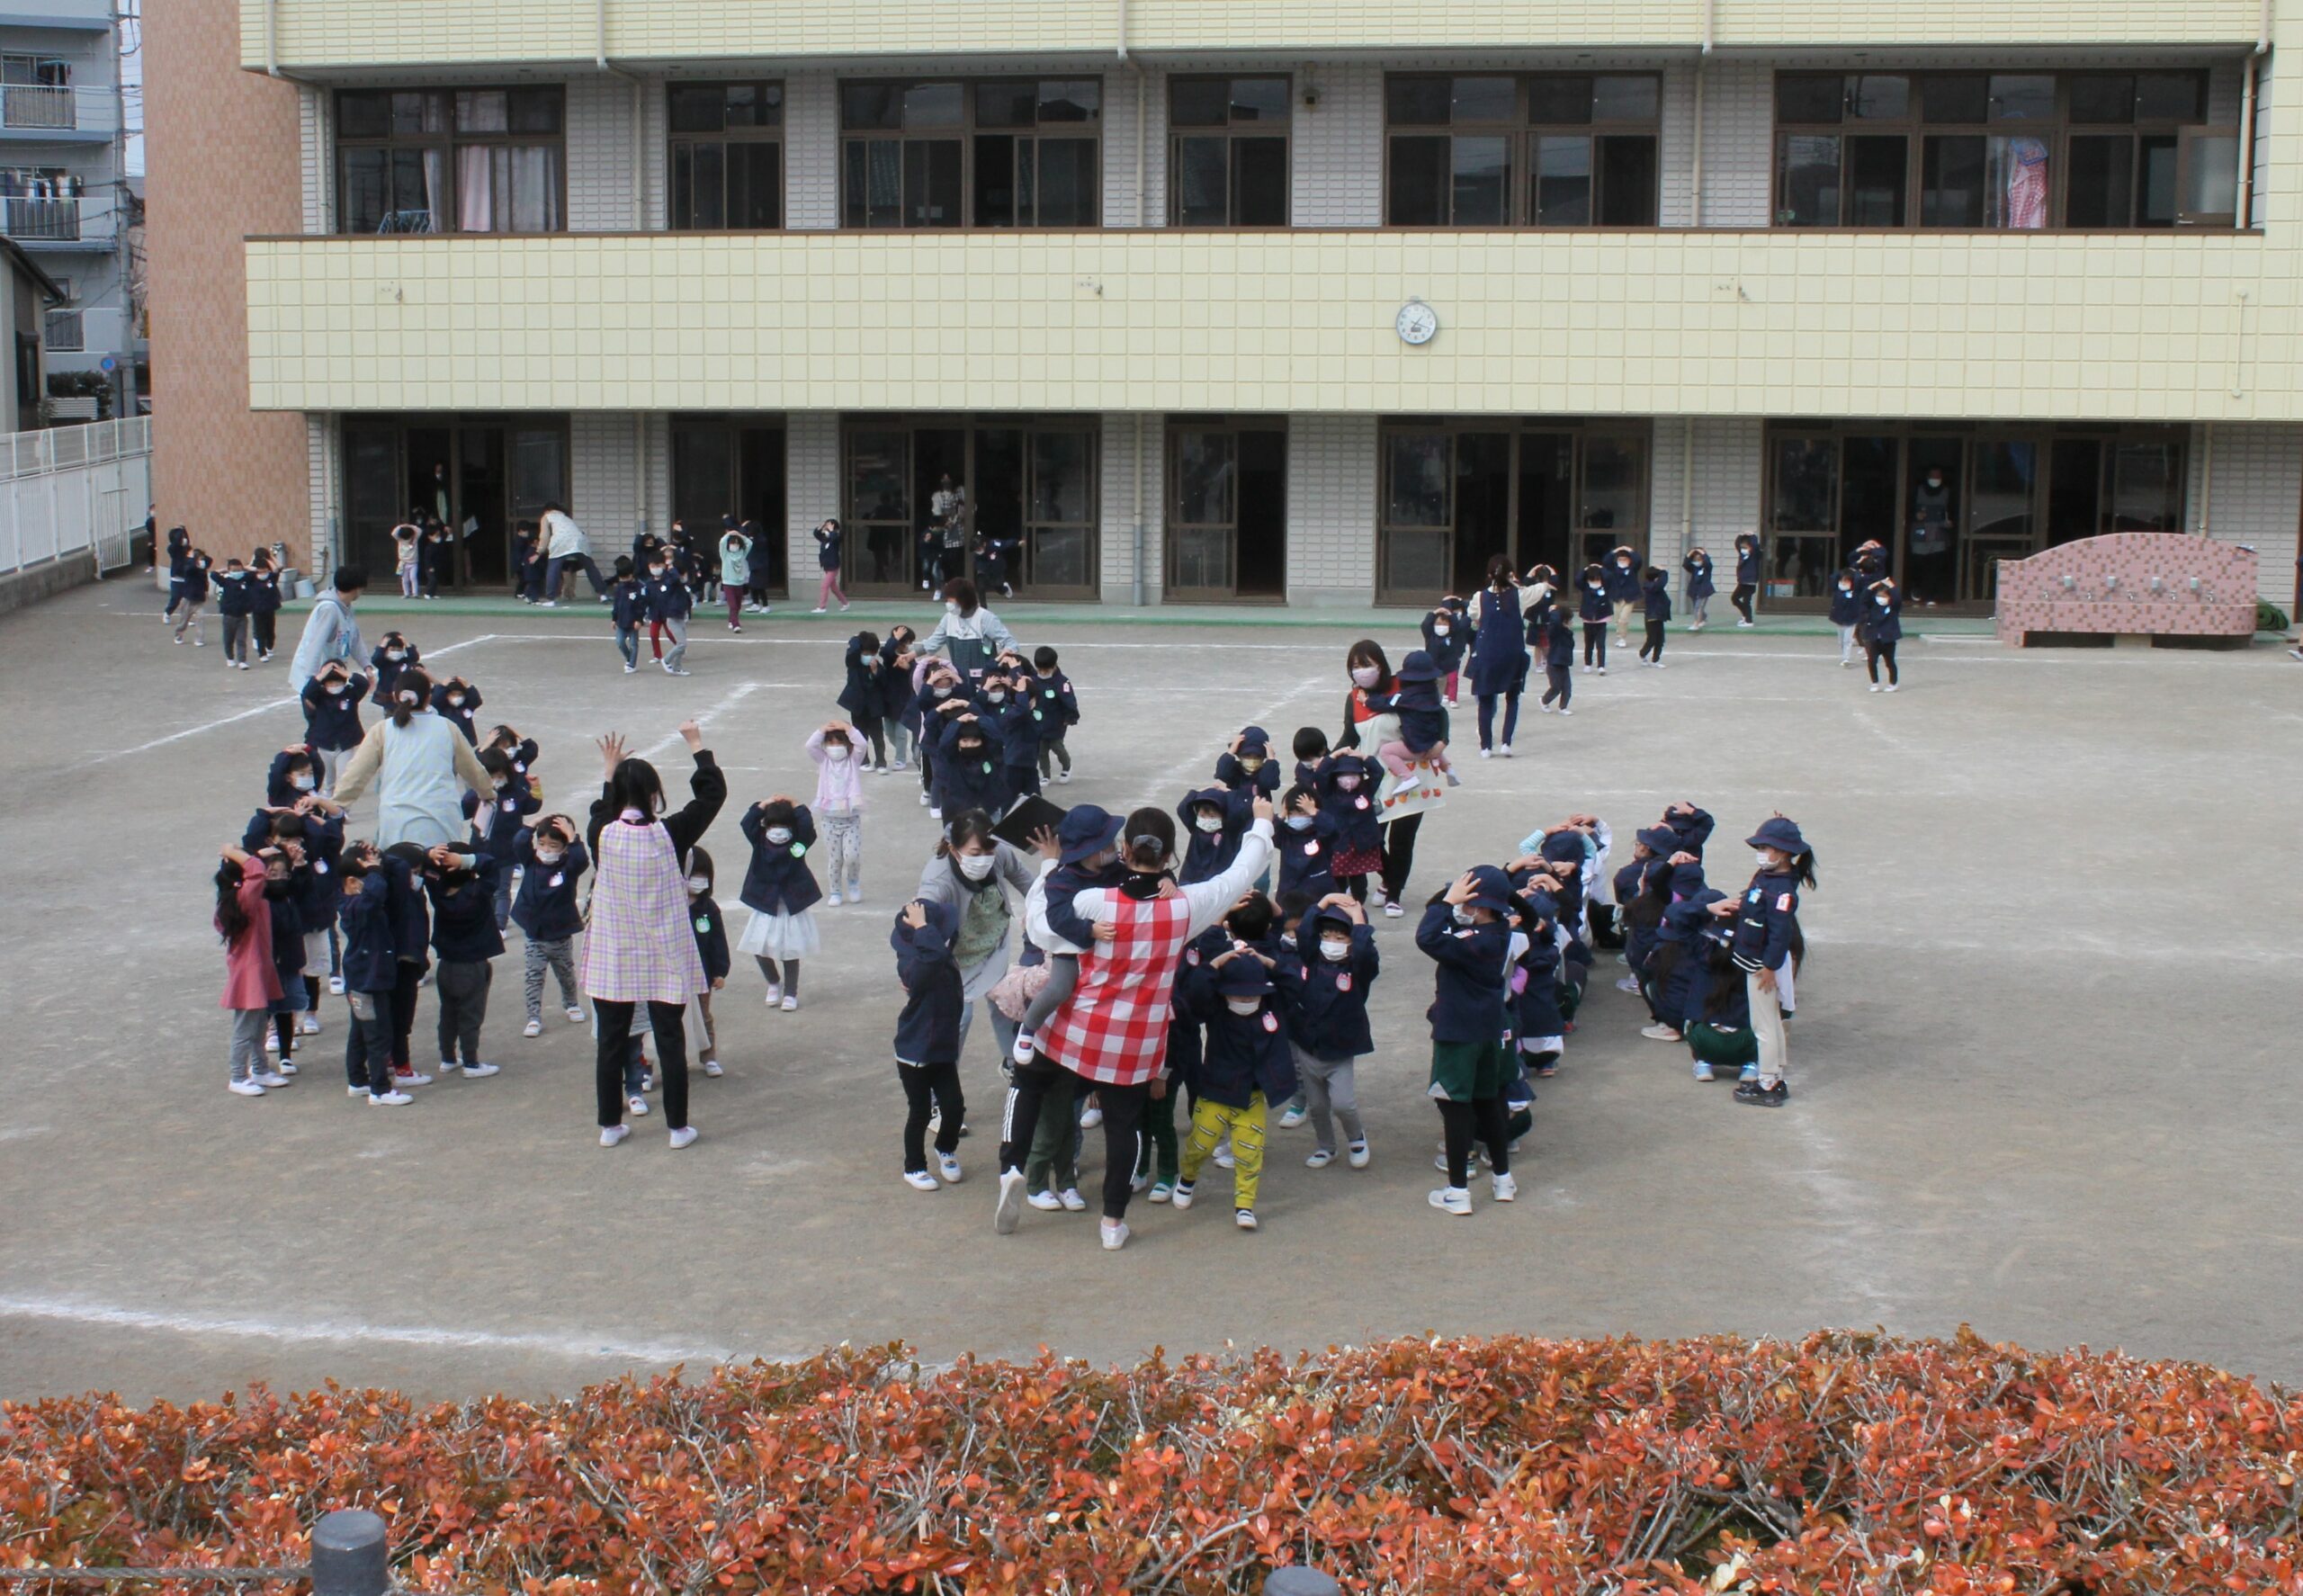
[[1112, 1033], [638, 946]]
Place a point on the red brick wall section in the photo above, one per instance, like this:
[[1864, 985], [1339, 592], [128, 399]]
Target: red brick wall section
[[2106, 584], [222, 157]]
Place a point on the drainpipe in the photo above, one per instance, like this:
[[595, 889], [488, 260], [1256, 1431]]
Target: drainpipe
[[1695, 167], [1142, 88], [639, 112], [640, 474], [2206, 477], [1137, 594], [2247, 142], [272, 38], [1687, 485]]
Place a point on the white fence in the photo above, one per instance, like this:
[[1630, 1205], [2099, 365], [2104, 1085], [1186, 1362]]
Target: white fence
[[68, 491]]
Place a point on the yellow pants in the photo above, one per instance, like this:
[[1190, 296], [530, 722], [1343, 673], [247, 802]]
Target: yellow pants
[[1210, 1122]]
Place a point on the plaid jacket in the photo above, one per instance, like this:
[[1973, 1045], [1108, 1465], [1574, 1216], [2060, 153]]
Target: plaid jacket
[[1115, 1028]]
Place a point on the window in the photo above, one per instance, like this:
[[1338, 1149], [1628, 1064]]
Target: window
[[1556, 149], [1005, 153], [1455, 494], [727, 156], [451, 161], [2008, 149], [65, 331], [1228, 152], [732, 465]]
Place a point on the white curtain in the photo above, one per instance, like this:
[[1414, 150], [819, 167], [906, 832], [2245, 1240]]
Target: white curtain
[[508, 188], [475, 190]]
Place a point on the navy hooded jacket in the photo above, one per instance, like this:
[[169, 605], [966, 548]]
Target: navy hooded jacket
[[928, 1029]]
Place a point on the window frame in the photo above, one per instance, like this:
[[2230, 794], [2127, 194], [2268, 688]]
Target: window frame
[[447, 142], [675, 140], [1232, 133], [1172, 432], [2058, 131], [965, 132], [1523, 134]]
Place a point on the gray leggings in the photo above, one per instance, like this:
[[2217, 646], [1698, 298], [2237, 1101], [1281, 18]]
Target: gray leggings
[[1062, 976], [1330, 1084], [236, 638], [561, 956], [676, 655], [248, 1025], [332, 762]]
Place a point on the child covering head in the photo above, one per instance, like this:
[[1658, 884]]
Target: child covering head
[[1088, 854], [1423, 723]]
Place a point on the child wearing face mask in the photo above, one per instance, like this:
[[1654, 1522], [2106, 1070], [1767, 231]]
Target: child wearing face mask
[[1747, 578], [1306, 844], [1700, 587], [1087, 855], [1445, 638], [462, 885], [1623, 584], [393, 654], [1059, 711], [332, 719], [1464, 934], [1591, 608], [1846, 613], [189, 571], [781, 891], [1217, 818], [1246, 1066], [1347, 795], [245, 886], [497, 821], [629, 600], [712, 947], [1328, 1027], [1014, 712], [233, 601], [1246, 764], [669, 605], [928, 1040], [835, 749], [829, 541], [1656, 594], [1768, 948], [551, 859], [458, 701], [1883, 628]]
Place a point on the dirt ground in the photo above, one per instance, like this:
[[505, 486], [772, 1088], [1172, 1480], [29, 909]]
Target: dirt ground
[[2039, 1071]]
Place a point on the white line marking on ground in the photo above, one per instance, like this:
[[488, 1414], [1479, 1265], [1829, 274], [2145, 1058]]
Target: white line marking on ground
[[726, 702], [350, 1332]]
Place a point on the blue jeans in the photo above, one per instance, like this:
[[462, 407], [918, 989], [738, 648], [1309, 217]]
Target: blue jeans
[[627, 643]]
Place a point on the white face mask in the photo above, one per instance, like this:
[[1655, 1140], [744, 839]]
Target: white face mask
[[1883, 601], [302, 784], [1439, 630], [395, 653], [456, 700], [1762, 858], [779, 834], [1846, 586], [1365, 676], [1299, 822], [1463, 915], [552, 857], [699, 885], [1243, 1006], [339, 687], [1348, 782], [838, 756], [996, 697], [951, 607], [1594, 587], [1208, 822], [1334, 953], [975, 866]]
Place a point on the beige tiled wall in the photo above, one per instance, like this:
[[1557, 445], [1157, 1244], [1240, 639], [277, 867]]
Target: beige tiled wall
[[1119, 508], [1330, 510]]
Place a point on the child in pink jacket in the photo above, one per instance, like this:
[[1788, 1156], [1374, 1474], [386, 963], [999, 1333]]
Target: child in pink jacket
[[251, 984]]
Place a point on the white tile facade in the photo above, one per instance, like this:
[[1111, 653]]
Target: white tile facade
[[2253, 495], [1121, 486], [1330, 510], [604, 487], [810, 153], [1336, 158], [599, 152], [811, 492]]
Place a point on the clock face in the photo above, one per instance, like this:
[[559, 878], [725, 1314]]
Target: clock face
[[1417, 322]]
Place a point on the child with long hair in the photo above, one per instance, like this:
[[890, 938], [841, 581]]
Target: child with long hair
[[245, 883]]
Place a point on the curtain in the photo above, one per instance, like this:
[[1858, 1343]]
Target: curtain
[[435, 188], [475, 190]]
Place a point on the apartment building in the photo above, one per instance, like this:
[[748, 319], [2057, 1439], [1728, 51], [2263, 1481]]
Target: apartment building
[[1279, 302], [64, 198]]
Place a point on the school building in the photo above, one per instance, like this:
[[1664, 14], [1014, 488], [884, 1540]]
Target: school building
[[1308, 301]]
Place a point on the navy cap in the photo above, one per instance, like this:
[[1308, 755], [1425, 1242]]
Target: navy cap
[[1491, 888], [1542, 905], [1332, 916], [1086, 829], [1562, 847], [1780, 834], [1687, 879], [1418, 666], [1242, 975], [1254, 739], [1662, 839]]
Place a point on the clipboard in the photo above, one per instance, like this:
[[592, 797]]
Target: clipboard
[[1030, 813]]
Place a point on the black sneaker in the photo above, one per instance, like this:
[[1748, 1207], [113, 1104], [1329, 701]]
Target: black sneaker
[[1763, 1097]]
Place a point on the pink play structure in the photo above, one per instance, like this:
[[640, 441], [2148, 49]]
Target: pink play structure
[[2147, 584]]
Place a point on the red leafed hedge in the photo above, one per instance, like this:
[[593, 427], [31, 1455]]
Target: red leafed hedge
[[1842, 1464]]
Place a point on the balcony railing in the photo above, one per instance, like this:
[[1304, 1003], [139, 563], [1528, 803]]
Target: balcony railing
[[39, 218], [37, 105]]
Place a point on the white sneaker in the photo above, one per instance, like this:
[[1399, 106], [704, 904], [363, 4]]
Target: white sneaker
[[390, 1099], [1598, 670], [1392, 907], [935, 812], [358, 1092], [574, 1015], [285, 1067], [1223, 1157], [948, 1165], [678, 670], [711, 1068], [1487, 753], [920, 1180], [900, 764], [1063, 778], [1627, 983], [269, 1078], [832, 902], [1549, 709], [1320, 1158], [1091, 1117], [1181, 1194], [481, 1071], [309, 1026], [335, 985], [413, 1078], [684, 1137], [1358, 1155], [1874, 687], [271, 1039], [816, 610], [1503, 1188], [1658, 1033], [1504, 750], [534, 1027], [636, 1105], [1658, 664], [1452, 1200], [1024, 1049], [1009, 1208], [1893, 686], [1114, 1234], [1046, 1202], [610, 1134], [775, 995], [1161, 1191], [923, 797], [1073, 1203], [789, 1002], [629, 667], [1291, 1117], [854, 893], [246, 1089], [1245, 1218], [1744, 625], [1565, 710]]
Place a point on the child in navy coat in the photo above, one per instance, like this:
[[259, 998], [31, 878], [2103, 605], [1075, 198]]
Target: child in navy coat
[[188, 573], [1747, 576], [1883, 628], [928, 1040], [1246, 1065], [393, 654], [553, 861], [1347, 787], [1217, 818], [371, 970], [1423, 723], [1306, 846], [1846, 613], [629, 602], [1328, 1026], [462, 885], [1558, 644], [332, 717], [1700, 587], [1622, 576], [1059, 711], [1656, 594], [781, 891], [1246, 764], [458, 701], [710, 947], [1463, 932], [1591, 608]]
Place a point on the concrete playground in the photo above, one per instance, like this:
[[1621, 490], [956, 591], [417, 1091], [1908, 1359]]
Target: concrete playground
[[2041, 1069]]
